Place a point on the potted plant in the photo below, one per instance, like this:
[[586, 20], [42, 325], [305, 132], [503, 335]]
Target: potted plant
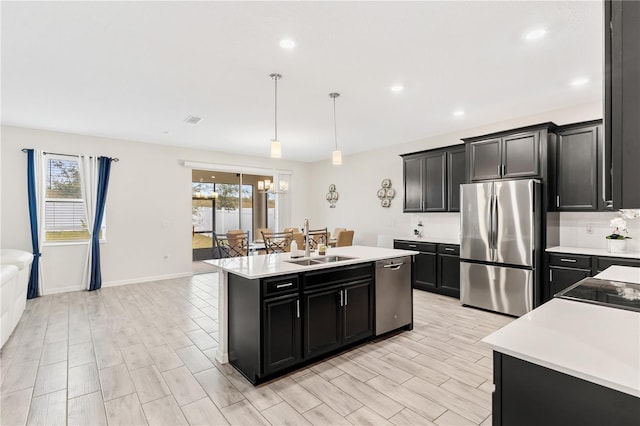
[[617, 240]]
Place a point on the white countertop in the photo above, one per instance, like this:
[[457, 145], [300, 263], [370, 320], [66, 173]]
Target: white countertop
[[595, 343], [428, 239], [592, 252], [268, 265]]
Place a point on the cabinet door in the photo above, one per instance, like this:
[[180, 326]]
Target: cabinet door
[[413, 180], [358, 311], [485, 159], [435, 184], [281, 333], [426, 278], [561, 278], [322, 330], [521, 155], [456, 175], [577, 169], [449, 275]]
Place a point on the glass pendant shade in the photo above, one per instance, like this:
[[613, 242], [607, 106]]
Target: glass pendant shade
[[336, 157], [276, 149]]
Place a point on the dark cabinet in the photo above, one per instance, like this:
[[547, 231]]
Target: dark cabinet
[[413, 192], [456, 175], [432, 179], [282, 345], [435, 187], [564, 271], [581, 184], [506, 157], [622, 99], [449, 269], [322, 327], [436, 266], [338, 308]]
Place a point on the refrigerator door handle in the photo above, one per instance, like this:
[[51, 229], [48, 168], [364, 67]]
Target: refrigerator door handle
[[490, 225], [495, 222]]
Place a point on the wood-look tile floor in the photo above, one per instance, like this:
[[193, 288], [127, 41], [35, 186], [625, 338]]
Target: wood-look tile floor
[[145, 354]]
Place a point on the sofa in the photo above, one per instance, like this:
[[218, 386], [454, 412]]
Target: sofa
[[15, 271]]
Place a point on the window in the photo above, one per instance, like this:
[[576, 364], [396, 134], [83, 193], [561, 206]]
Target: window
[[65, 219]]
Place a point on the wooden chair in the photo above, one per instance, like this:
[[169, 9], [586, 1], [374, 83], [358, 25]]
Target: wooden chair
[[344, 238], [332, 240], [277, 242], [258, 236], [294, 230], [220, 250], [317, 237], [299, 239], [237, 243]]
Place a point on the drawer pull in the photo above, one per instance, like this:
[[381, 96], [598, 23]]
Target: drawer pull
[[413, 245], [284, 285], [568, 260], [449, 249], [298, 308]]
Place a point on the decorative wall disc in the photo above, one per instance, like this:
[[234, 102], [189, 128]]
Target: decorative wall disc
[[386, 193]]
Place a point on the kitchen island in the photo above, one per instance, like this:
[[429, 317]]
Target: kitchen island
[[569, 362], [276, 313]]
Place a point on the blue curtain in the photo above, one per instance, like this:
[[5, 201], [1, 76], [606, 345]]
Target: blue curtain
[[32, 290], [104, 169]]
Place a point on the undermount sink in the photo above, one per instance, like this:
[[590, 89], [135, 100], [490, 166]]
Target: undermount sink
[[319, 260], [303, 262], [329, 259]]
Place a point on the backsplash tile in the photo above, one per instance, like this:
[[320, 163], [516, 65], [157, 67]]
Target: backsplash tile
[[573, 230]]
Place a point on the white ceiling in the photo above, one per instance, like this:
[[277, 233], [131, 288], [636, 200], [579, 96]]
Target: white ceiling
[[135, 70]]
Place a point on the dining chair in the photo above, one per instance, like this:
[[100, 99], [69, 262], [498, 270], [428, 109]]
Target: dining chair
[[237, 243], [318, 237], [258, 235], [344, 238], [220, 250], [294, 230], [277, 242]]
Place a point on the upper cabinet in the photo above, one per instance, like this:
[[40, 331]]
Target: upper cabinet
[[510, 156], [432, 179], [622, 99], [581, 181]]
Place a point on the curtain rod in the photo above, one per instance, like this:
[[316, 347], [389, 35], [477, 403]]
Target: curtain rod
[[70, 155]]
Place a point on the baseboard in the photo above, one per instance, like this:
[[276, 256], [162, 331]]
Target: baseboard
[[147, 279], [67, 289]]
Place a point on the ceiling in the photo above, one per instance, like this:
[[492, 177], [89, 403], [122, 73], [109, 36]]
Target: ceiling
[[136, 70]]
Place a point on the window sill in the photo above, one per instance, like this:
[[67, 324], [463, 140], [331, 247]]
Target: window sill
[[68, 243]]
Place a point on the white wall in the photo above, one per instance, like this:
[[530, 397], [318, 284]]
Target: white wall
[[358, 179], [148, 178]]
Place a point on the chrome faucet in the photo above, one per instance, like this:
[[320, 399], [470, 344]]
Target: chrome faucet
[[307, 248]]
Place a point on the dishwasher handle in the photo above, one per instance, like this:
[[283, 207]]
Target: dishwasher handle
[[394, 266]]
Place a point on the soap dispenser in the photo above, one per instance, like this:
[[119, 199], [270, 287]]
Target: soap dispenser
[[294, 249]]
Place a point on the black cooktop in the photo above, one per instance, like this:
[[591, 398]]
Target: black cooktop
[[614, 294]]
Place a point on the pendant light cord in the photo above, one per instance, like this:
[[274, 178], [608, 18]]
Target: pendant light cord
[[276, 108], [335, 124]]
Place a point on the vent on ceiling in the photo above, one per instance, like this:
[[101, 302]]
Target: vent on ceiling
[[193, 119]]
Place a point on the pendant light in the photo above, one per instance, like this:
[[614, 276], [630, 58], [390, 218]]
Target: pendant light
[[276, 147], [336, 155]]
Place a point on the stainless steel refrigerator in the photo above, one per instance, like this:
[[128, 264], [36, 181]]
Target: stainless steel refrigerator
[[500, 245]]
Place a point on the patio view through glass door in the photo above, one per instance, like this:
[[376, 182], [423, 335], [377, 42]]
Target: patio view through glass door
[[222, 202]]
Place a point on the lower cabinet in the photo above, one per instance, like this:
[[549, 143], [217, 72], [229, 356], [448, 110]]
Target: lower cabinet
[[282, 333], [437, 266], [338, 310], [529, 394], [566, 269], [279, 323]]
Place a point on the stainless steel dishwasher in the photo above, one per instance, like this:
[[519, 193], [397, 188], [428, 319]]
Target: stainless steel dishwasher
[[394, 303]]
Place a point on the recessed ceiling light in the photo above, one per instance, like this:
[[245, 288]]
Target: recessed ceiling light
[[192, 119], [536, 34], [458, 113], [287, 43], [580, 81], [397, 88]]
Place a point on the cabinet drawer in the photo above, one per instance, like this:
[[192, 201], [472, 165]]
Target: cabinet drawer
[[449, 249], [412, 245], [334, 276], [603, 263], [570, 260], [280, 285]]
